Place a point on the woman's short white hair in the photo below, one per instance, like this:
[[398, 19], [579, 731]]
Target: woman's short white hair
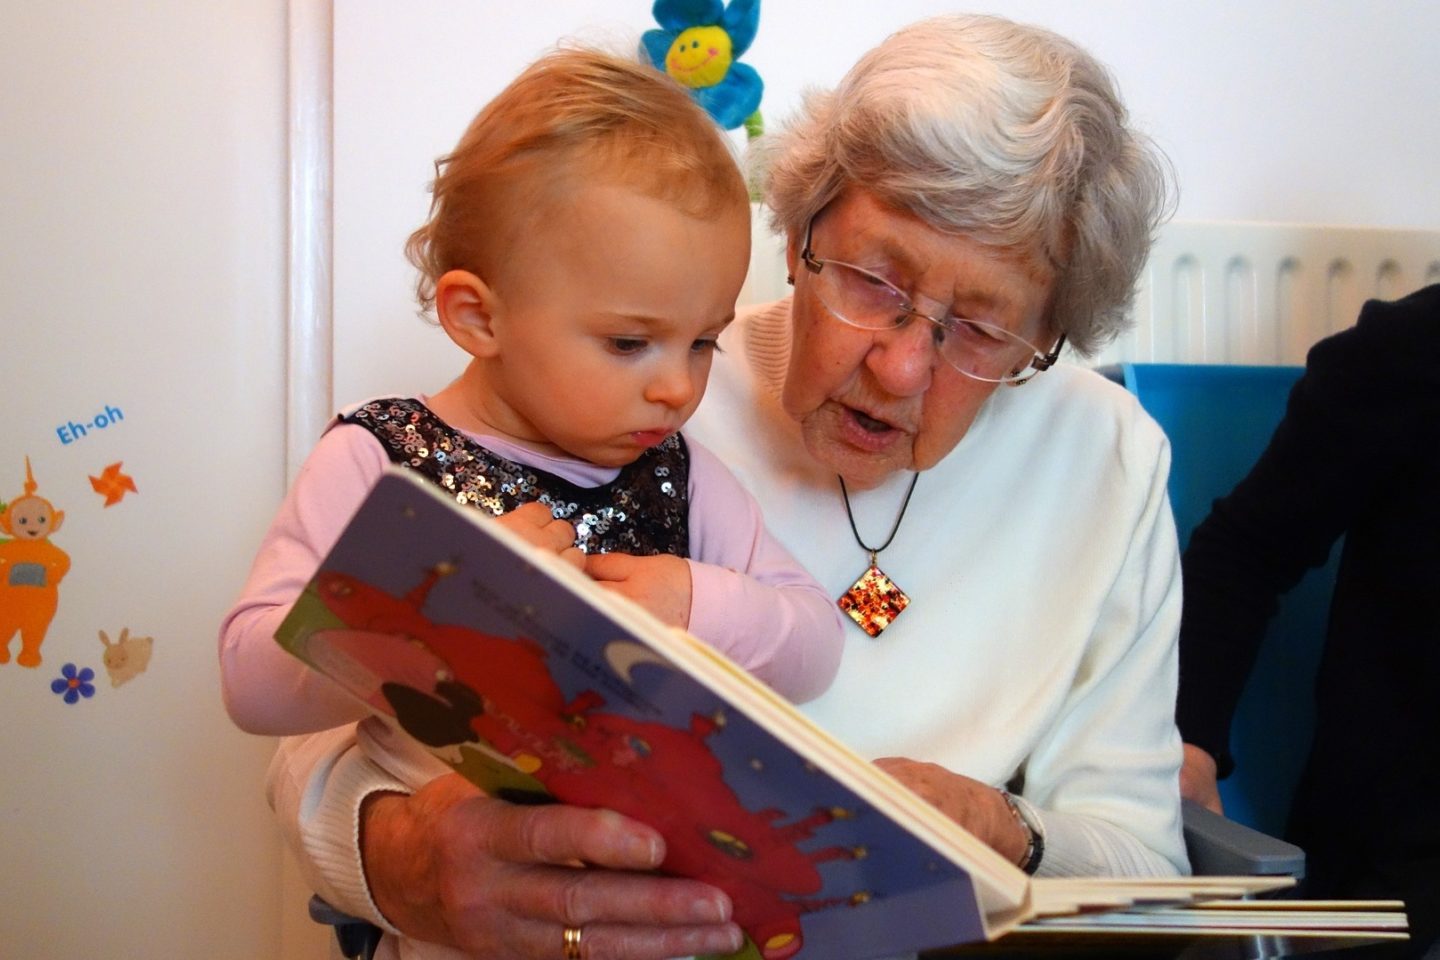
[[1007, 133]]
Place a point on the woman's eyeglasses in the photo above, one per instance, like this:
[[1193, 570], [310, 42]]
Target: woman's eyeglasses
[[979, 350]]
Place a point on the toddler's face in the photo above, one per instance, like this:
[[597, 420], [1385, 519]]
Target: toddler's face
[[606, 321]]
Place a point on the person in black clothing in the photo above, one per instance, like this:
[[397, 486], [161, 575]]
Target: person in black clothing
[[1358, 454]]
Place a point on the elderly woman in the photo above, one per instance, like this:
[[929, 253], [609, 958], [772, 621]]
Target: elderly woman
[[967, 202]]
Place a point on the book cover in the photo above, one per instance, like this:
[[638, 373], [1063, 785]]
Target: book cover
[[538, 685], [526, 678]]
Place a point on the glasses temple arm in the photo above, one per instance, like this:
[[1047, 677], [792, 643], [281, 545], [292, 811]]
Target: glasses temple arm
[[1048, 360]]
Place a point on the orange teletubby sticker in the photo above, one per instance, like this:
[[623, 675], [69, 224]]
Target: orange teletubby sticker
[[31, 568]]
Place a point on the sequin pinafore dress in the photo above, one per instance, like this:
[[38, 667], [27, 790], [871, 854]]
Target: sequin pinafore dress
[[643, 511]]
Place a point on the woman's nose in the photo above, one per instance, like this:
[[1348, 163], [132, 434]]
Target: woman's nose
[[903, 360]]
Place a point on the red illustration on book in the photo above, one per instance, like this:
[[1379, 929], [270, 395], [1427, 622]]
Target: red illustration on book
[[448, 685]]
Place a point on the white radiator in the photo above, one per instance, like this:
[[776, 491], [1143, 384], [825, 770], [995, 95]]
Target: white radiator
[[1228, 292], [1239, 292]]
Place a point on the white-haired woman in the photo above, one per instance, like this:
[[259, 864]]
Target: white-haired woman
[[970, 199]]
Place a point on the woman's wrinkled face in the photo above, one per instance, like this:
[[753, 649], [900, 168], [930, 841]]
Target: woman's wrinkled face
[[870, 402]]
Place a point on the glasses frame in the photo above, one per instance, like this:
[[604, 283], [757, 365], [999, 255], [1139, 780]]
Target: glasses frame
[[1039, 363]]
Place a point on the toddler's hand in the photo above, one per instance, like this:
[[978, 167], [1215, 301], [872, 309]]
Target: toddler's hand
[[660, 584], [538, 526]]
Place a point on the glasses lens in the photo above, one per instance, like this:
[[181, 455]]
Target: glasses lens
[[859, 297], [982, 351], [978, 350]]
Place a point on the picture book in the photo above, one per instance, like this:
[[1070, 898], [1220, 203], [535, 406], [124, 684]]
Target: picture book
[[538, 685]]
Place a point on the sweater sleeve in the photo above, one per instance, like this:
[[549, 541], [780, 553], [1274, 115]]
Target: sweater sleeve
[[316, 786], [1344, 437], [266, 690], [1105, 776], [749, 597]]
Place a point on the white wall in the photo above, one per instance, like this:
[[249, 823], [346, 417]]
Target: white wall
[[1318, 111], [142, 192]]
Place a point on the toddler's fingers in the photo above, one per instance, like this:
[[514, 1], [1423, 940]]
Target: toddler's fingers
[[533, 514], [607, 566], [536, 524]]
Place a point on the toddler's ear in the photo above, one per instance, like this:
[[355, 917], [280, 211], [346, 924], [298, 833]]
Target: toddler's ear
[[465, 305]]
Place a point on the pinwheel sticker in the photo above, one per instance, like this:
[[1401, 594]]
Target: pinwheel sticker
[[699, 44]]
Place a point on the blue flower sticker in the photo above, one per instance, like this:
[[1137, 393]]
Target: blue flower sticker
[[74, 684], [699, 46]]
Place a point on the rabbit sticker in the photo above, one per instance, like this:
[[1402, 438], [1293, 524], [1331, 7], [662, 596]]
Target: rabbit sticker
[[127, 657]]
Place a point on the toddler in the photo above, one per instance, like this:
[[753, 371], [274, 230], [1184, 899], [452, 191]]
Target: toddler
[[586, 243]]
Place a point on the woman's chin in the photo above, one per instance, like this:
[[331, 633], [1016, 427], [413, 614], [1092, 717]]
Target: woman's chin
[[863, 457]]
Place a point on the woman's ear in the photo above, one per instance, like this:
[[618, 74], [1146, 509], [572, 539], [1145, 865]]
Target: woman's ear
[[465, 305], [792, 255]]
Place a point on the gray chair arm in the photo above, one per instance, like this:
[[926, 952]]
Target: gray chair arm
[[1221, 847], [357, 938]]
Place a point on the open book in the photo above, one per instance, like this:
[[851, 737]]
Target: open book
[[538, 685]]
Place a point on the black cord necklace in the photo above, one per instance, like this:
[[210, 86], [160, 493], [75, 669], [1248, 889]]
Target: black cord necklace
[[874, 601]]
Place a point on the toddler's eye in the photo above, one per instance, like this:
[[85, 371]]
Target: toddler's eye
[[626, 345], [704, 345]]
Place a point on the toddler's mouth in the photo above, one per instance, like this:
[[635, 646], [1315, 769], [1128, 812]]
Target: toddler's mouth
[[650, 438]]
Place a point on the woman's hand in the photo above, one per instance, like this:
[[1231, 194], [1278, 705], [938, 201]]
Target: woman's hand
[[450, 865], [978, 807], [1197, 779], [537, 525], [660, 584]]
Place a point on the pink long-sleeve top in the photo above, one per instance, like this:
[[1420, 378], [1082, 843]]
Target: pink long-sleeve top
[[749, 596]]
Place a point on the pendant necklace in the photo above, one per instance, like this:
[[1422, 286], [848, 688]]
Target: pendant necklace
[[874, 601]]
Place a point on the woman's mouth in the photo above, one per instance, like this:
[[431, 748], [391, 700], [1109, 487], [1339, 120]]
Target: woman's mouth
[[869, 423], [865, 432]]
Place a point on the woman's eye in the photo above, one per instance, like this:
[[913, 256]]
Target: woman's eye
[[974, 334], [627, 345], [867, 291]]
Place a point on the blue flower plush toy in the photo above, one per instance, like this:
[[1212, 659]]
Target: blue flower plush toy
[[699, 45]]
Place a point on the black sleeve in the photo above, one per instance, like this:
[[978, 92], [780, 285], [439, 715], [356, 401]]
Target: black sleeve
[[1344, 435]]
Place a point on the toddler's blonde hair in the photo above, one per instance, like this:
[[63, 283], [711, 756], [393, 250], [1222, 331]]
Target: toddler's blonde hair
[[571, 117]]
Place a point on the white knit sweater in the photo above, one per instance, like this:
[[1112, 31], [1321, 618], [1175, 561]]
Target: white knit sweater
[[1040, 558]]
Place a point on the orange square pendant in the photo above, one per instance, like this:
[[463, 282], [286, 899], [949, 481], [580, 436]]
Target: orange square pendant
[[873, 601]]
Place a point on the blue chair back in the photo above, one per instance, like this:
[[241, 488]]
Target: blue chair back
[[1219, 419]]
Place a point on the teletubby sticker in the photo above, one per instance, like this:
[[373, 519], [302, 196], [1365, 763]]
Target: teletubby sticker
[[126, 658], [31, 568]]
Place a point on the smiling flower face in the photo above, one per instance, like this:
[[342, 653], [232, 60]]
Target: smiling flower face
[[699, 46], [700, 56]]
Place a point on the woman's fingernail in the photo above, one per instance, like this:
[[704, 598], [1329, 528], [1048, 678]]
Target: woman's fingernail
[[712, 910], [728, 940], [647, 850], [734, 941]]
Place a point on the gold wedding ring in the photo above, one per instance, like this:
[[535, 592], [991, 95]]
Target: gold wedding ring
[[572, 943]]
